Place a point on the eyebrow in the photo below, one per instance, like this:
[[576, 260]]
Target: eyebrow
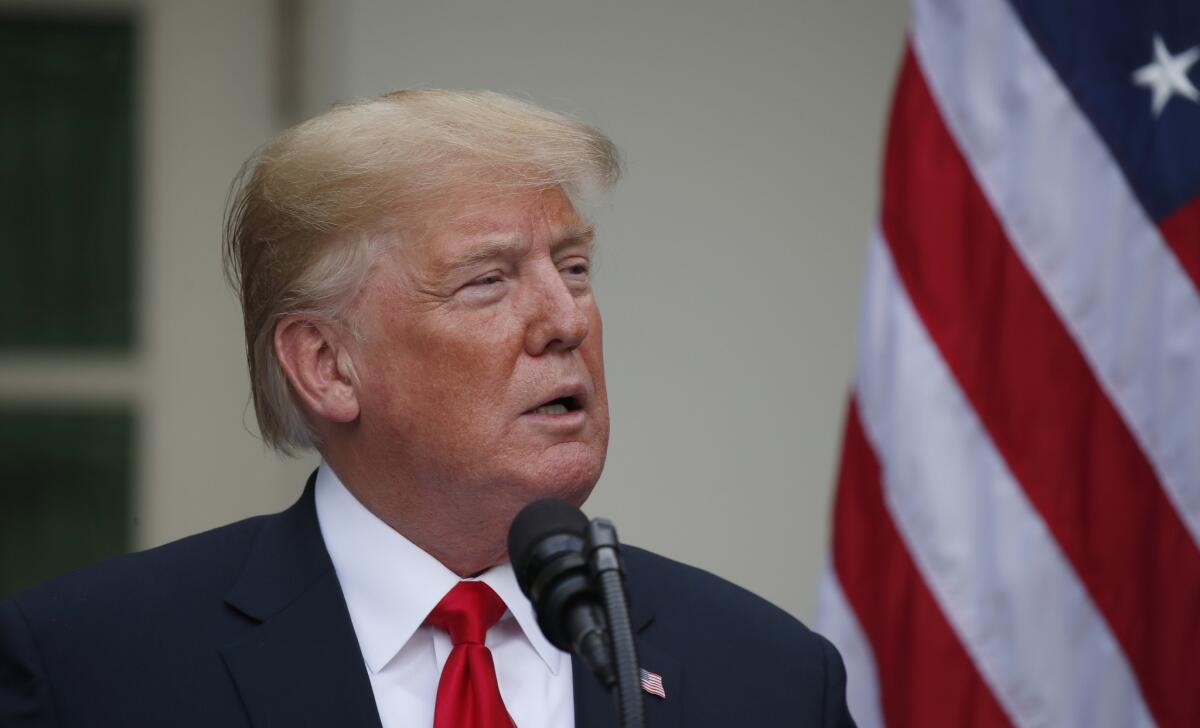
[[488, 249], [579, 235]]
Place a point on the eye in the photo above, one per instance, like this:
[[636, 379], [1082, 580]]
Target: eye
[[490, 279], [485, 289], [576, 268]]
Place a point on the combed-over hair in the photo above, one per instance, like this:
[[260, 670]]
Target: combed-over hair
[[307, 212]]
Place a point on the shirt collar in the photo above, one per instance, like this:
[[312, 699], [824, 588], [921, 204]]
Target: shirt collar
[[390, 584]]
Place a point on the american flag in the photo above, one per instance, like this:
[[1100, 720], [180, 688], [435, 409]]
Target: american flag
[[1017, 516], [652, 683]]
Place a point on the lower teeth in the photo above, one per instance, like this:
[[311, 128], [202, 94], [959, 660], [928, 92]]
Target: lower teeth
[[552, 409]]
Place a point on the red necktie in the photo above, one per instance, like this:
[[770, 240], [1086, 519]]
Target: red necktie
[[468, 696]]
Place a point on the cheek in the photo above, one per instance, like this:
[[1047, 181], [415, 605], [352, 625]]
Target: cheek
[[594, 349], [593, 357], [453, 372]]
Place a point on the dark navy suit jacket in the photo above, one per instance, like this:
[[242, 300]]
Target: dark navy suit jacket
[[246, 626]]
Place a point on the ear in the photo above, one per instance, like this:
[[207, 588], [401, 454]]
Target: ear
[[319, 369]]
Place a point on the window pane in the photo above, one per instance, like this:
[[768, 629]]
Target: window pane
[[64, 494], [66, 184]]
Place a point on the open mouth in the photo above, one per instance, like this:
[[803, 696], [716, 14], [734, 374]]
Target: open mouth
[[559, 406]]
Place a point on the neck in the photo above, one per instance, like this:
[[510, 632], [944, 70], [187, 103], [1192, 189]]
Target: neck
[[465, 535]]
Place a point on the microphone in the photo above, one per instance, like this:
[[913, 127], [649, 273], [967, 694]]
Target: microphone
[[546, 547]]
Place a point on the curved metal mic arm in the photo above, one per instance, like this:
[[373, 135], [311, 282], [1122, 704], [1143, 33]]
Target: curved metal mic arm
[[604, 561]]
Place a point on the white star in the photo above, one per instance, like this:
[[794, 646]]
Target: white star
[[1166, 75]]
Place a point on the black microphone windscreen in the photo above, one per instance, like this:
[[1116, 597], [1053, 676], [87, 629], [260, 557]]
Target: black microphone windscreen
[[536, 522]]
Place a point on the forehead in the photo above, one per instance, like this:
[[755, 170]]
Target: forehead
[[513, 219], [546, 211]]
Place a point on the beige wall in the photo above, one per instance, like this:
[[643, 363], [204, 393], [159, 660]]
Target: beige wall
[[730, 253], [209, 102]]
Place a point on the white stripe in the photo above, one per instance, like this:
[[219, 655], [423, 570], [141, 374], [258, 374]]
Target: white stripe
[[1076, 224], [987, 556], [837, 623]]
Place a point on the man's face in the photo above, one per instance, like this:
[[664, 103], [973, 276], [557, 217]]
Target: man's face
[[481, 372]]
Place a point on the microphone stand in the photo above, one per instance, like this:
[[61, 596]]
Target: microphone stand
[[600, 545]]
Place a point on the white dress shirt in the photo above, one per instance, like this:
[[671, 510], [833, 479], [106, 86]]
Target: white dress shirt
[[391, 585]]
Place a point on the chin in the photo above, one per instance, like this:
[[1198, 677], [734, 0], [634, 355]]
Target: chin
[[568, 476]]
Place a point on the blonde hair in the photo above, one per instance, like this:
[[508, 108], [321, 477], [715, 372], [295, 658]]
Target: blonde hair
[[305, 216]]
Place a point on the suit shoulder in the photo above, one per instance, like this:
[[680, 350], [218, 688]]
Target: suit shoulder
[[734, 643], [200, 563], [698, 598]]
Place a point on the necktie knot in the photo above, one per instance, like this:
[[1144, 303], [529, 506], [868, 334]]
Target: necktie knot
[[467, 612], [468, 694]]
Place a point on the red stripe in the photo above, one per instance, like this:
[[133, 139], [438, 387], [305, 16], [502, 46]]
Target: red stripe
[[1042, 406], [1182, 232], [926, 677]]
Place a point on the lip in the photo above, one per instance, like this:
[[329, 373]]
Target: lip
[[565, 424], [575, 390]]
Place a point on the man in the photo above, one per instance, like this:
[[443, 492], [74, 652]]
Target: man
[[415, 277]]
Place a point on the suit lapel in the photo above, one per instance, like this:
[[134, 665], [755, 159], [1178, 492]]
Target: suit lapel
[[596, 708], [301, 664]]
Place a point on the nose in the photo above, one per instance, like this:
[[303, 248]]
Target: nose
[[557, 322]]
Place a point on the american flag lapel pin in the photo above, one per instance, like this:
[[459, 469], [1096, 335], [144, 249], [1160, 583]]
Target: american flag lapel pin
[[653, 684]]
